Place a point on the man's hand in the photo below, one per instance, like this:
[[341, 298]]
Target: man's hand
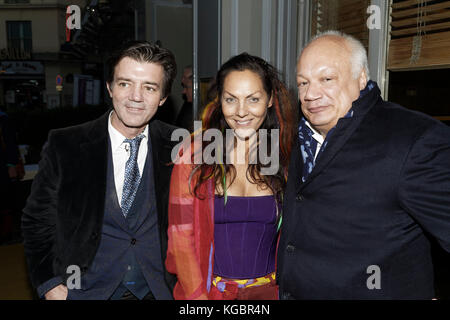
[[57, 293]]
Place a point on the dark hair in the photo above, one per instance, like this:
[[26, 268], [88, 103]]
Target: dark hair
[[143, 51], [281, 116]]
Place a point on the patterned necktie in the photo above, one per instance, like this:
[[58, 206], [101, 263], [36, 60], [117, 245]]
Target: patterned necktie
[[132, 176]]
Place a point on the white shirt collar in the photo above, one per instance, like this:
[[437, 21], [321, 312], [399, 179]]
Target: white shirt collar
[[117, 138], [316, 135]]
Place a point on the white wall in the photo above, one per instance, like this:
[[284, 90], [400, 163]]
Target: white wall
[[265, 28], [241, 27]]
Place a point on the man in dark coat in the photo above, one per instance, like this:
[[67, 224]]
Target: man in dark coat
[[368, 184], [95, 224]]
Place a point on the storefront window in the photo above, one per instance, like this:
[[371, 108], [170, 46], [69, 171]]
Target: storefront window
[[19, 35]]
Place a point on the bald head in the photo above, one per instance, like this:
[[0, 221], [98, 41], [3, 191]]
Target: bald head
[[329, 79], [357, 52]]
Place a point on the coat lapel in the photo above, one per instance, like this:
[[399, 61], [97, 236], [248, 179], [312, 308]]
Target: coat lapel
[[154, 134], [161, 150], [341, 133], [93, 161], [296, 165], [160, 165], [117, 215]]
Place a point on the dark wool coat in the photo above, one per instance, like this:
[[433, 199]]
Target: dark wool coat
[[377, 192]]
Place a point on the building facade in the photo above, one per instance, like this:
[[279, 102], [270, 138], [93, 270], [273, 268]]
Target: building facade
[[32, 33]]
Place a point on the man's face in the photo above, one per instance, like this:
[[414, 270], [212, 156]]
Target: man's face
[[136, 92], [326, 86], [186, 83]]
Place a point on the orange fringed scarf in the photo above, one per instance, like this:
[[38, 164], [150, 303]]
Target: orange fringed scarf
[[190, 252]]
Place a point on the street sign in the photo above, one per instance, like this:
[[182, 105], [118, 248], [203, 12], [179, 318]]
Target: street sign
[[59, 80]]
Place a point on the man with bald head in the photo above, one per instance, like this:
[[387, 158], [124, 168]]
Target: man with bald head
[[368, 185]]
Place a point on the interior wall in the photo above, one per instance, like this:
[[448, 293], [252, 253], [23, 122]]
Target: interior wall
[[170, 21], [241, 27], [265, 28]]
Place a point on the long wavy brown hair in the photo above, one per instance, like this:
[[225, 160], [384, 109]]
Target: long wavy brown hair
[[281, 116]]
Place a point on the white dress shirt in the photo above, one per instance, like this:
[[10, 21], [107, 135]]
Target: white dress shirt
[[318, 137], [121, 153]]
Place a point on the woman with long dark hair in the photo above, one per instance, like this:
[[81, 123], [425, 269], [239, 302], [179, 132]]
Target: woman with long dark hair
[[225, 214]]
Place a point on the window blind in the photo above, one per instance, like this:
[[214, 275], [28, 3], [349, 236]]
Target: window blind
[[348, 16], [420, 34]]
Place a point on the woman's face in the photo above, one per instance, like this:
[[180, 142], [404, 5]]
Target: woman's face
[[244, 102]]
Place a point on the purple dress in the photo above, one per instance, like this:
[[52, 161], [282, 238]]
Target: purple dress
[[245, 236]]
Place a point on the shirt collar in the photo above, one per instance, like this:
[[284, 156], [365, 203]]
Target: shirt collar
[[315, 134], [117, 139]]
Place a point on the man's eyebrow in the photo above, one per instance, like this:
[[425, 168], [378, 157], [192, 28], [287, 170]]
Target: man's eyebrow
[[152, 83], [123, 79], [146, 82], [251, 94]]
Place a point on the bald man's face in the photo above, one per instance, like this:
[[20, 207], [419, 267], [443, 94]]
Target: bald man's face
[[326, 87]]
